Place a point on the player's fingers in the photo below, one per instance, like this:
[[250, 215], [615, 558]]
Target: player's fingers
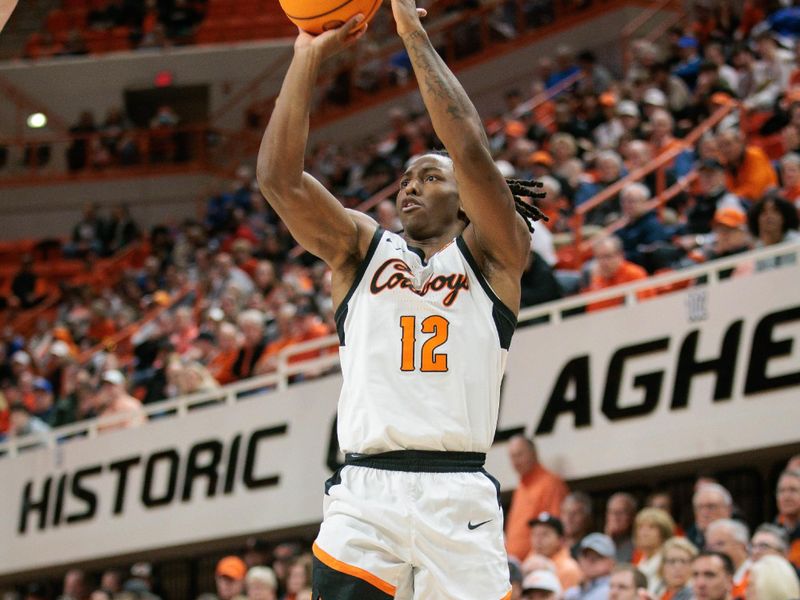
[[422, 13], [353, 22]]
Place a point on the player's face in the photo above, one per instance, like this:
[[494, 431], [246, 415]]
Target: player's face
[[427, 202]]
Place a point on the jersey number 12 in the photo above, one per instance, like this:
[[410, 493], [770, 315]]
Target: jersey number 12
[[431, 362]]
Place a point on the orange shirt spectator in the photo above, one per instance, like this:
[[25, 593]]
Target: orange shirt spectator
[[612, 269], [548, 541], [539, 491], [749, 170]]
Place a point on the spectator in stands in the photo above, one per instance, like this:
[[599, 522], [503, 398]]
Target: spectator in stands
[[788, 500], [609, 171], [769, 540], [299, 577], [712, 576], [76, 586], [111, 581], [620, 515], [643, 231], [547, 540], [261, 584], [596, 78], [790, 178], [773, 220], [386, 215], [576, 515], [676, 572], [163, 136], [86, 234], [114, 400], [652, 528], [539, 491], [27, 288], [541, 585], [610, 269], [538, 283], [731, 538], [251, 324], [119, 230], [43, 407], [220, 365], [689, 66], [713, 195], [710, 502], [229, 577], [596, 560], [626, 583], [749, 170], [23, 422], [773, 578], [78, 151], [181, 19], [730, 236]]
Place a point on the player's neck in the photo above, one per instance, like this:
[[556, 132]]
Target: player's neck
[[433, 244]]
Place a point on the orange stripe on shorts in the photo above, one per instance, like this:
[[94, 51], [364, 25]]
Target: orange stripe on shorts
[[337, 565]]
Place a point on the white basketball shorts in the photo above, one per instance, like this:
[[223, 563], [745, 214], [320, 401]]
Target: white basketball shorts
[[417, 525]]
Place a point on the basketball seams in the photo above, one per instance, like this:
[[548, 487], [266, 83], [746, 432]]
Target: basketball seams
[[316, 24]]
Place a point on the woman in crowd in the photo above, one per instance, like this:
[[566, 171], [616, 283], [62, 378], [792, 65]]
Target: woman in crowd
[[651, 529], [676, 569]]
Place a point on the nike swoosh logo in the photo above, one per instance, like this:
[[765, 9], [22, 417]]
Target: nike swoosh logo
[[470, 526]]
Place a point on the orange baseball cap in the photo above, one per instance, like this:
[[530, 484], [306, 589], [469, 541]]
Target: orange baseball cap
[[730, 217], [233, 567], [607, 99], [515, 129], [540, 157]]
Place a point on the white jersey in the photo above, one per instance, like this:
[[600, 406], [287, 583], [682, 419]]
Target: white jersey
[[423, 348]]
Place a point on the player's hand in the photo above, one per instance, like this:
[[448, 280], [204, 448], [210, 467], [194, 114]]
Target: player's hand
[[332, 41], [407, 16]]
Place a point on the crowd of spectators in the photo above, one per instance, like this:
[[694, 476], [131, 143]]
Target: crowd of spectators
[[117, 142], [562, 545], [237, 292], [227, 293], [132, 23], [641, 551]]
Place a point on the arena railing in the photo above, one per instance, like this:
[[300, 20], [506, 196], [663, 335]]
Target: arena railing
[[630, 30], [703, 275]]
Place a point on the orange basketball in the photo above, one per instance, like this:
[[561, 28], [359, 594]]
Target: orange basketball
[[316, 16]]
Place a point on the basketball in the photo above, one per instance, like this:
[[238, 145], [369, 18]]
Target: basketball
[[316, 16]]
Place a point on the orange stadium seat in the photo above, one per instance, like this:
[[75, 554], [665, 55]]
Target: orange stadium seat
[[57, 21], [77, 17]]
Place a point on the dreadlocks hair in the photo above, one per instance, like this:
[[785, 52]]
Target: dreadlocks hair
[[528, 188]]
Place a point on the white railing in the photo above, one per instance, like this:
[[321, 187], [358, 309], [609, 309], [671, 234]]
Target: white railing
[[553, 312]]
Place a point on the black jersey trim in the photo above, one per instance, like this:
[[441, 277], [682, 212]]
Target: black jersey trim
[[504, 318], [341, 312]]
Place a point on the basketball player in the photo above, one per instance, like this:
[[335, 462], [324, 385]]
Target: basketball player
[[425, 321]]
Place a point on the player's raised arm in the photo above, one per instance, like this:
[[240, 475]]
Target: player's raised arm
[[313, 215], [483, 191]]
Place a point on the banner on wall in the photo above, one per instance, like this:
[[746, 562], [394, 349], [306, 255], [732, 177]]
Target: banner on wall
[[704, 372]]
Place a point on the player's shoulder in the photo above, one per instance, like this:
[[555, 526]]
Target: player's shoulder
[[488, 258]]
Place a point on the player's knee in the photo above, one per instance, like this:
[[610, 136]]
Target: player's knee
[[330, 584]]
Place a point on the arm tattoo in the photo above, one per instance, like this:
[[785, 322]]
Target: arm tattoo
[[434, 78]]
